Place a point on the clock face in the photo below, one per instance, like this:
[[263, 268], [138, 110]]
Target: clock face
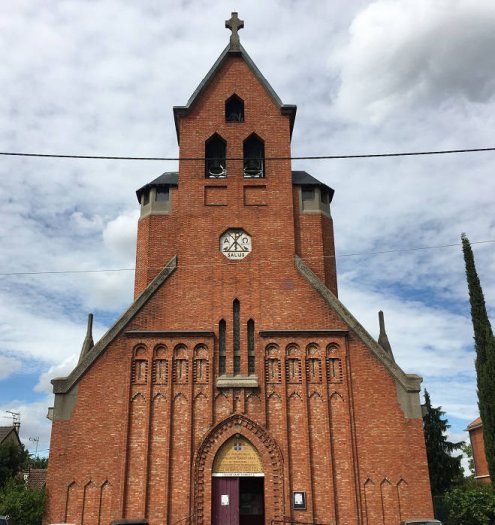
[[235, 244]]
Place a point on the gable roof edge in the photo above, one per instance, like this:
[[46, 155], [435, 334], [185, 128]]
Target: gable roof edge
[[286, 109], [62, 385], [410, 382]]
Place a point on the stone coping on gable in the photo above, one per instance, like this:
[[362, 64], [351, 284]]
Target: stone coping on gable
[[410, 383], [61, 385]]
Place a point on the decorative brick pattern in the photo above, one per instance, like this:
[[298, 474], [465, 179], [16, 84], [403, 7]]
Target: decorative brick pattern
[[139, 423]]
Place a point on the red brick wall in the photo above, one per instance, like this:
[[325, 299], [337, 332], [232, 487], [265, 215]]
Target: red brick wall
[[326, 421], [479, 456]]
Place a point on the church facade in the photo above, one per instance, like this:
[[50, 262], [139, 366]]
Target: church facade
[[237, 388]]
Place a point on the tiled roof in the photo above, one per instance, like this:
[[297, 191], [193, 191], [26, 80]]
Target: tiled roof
[[37, 478], [474, 424]]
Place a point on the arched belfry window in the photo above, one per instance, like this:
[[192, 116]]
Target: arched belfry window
[[215, 157], [254, 157], [234, 109]]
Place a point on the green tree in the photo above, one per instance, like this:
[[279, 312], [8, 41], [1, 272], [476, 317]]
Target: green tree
[[12, 459], [445, 469], [37, 462], [471, 504], [24, 505], [484, 343], [467, 449]]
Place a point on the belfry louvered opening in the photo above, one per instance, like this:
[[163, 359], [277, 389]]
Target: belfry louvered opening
[[254, 157], [215, 157]]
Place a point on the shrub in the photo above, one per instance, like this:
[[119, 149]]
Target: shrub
[[24, 505], [471, 504]]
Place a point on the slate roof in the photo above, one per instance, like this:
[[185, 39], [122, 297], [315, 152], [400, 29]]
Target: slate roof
[[171, 178], [303, 178], [285, 109], [5, 432]]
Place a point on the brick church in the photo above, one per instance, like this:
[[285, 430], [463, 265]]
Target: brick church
[[237, 389]]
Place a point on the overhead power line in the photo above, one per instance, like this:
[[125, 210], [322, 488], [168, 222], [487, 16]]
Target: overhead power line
[[356, 254], [304, 157]]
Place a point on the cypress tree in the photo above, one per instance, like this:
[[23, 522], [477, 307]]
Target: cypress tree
[[445, 469], [484, 343]]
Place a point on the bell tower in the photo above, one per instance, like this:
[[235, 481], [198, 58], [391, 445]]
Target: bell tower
[[235, 175]]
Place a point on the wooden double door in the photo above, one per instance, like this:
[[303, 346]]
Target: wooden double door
[[238, 501]]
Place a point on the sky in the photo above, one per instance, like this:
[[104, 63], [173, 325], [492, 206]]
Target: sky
[[90, 77]]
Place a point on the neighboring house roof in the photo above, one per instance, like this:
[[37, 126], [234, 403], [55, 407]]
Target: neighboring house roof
[[475, 424], [171, 178], [9, 434], [36, 478], [285, 109]]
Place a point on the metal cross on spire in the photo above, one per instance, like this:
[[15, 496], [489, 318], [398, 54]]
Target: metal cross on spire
[[234, 24]]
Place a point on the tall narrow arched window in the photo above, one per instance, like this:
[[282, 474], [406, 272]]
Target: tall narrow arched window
[[234, 109], [250, 339], [215, 157], [222, 351], [237, 335], [254, 157]]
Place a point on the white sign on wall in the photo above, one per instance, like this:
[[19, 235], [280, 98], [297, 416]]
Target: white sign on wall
[[235, 244]]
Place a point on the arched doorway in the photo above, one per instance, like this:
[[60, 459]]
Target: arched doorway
[[237, 484]]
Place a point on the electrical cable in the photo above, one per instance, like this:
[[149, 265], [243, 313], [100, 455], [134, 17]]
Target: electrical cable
[[304, 157], [356, 254]]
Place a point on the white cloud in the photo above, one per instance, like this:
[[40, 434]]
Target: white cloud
[[119, 236], [416, 54], [62, 369], [8, 366]]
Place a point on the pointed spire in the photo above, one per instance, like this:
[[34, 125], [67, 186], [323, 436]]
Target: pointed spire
[[88, 340], [234, 24], [382, 338]]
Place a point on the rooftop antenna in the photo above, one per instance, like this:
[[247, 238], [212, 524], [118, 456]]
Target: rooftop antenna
[[16, 419], [35, 440]]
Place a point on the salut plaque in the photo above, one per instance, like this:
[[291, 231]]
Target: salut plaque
[[235, 244]]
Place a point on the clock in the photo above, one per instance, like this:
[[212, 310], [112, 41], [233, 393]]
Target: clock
[[235, 244]]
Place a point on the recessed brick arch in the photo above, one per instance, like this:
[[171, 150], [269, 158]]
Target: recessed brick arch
[[270, 454]]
